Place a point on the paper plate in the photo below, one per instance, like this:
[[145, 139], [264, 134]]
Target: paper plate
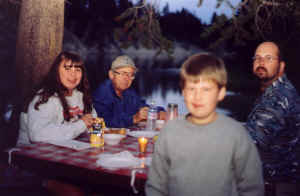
[[148, 134], [115, 161]]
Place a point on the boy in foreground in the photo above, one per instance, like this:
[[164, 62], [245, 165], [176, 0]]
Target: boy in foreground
[[204, 153]]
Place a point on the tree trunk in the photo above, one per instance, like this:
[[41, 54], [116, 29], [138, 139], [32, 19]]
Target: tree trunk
[[39, 41]]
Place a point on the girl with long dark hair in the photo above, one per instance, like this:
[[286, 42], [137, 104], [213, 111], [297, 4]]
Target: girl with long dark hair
[[61, 108]]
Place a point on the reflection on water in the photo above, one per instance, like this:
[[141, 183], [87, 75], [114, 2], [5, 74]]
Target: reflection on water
[[150, 81], [162, 86]]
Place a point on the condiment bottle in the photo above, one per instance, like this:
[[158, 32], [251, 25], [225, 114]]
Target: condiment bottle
[[96, 138]]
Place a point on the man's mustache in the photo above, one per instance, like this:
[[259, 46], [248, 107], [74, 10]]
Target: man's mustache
[[261, 68]]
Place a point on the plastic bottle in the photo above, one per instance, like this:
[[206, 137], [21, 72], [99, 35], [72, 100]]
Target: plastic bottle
[[152, 117]]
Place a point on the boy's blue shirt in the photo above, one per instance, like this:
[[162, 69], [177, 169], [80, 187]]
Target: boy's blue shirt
[[116, 111]]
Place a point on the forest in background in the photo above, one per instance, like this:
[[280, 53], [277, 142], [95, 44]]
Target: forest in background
[[95, 24]]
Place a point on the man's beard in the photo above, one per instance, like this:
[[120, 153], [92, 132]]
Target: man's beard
[[265, 78]]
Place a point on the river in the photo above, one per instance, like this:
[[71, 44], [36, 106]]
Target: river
[[162, 86]]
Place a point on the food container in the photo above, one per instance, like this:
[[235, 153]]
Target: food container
[[172, 112], [112, 138]]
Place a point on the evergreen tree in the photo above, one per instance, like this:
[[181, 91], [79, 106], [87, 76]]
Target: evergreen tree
[[140, 24], [166, 9]]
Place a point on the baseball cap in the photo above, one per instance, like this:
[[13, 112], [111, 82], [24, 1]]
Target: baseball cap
[[123, 61]]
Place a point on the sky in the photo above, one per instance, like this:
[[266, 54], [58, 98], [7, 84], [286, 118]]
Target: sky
[[204, 12]]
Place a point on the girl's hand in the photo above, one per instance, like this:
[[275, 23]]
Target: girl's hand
[[88, 120]]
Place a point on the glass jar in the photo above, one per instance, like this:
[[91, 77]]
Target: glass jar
[[172, 112]]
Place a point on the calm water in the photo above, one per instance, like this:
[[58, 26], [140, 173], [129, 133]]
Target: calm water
[[162, 86]]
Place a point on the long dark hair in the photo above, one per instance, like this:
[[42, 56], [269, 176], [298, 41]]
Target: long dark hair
[[52, 84]]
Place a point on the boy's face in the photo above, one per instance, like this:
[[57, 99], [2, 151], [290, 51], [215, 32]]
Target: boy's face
[[201, 98]]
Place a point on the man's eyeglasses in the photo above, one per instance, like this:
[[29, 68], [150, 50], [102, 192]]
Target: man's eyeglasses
[[267, 59], [77, 67], [125, 74]]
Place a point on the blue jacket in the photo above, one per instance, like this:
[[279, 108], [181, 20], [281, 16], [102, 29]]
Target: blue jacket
[[116, 111], [274, 124]]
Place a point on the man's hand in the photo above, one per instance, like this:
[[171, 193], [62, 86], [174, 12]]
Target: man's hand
[[141, 115], [162, 115]]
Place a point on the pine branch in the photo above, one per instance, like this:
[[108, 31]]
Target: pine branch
[[142, 26]]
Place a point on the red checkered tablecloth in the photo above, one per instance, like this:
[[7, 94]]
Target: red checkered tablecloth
[[85, 158]]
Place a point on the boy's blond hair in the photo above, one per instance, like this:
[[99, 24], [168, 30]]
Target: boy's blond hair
[[203, 65]]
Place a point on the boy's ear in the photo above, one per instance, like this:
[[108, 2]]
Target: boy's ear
[[222, 93]]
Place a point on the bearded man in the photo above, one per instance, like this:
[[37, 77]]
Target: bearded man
[[274, 122]]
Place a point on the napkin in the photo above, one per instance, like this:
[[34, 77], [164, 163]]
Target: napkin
[[145, 133], [73, 144], [123, 159]]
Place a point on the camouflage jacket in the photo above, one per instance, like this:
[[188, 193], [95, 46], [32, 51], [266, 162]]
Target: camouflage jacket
[[274, 124]]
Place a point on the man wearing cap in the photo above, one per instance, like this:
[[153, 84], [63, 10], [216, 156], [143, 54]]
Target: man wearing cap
[[115, 100]]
